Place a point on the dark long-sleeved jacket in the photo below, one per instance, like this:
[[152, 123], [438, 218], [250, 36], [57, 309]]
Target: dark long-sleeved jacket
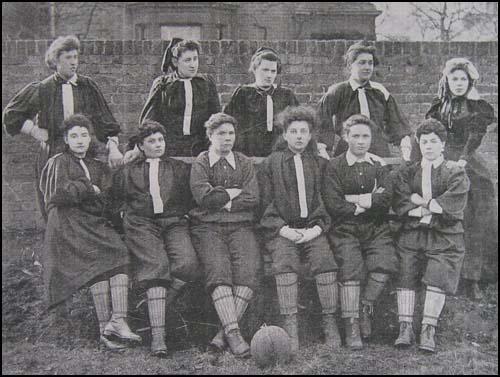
[[131, 188], [248, 105], [450, 186], [341, 101], [361, 178], [280, 199], [44, 99], [209, 184]]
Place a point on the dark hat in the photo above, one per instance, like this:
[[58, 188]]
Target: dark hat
[[167, 56]]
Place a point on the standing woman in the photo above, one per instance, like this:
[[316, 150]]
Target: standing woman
[[39, 108], [466, 118], [254, 106], [181, 100], [82, 249], [359, 95]]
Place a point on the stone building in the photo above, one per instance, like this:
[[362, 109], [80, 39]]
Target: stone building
[[210, 20]]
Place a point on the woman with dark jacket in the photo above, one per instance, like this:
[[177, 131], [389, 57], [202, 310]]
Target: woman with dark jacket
[[256, 105], [466, 118]]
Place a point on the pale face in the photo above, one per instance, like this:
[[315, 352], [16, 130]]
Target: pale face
[[153, 146], [222, 139], [78, 140], [187, 64], [67, 64], [298, 136], [266, 73], [431, 146], [362, 68], [458, 82], [359, 138]]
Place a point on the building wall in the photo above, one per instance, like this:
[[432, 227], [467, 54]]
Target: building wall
[[124, 70], [245, 20], [107, 21]]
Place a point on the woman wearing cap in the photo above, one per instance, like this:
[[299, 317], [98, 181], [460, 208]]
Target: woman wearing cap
[[254, 106], [466, 118], [181, 100], [360, 95]]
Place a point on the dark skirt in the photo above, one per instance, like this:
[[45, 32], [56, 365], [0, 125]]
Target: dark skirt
[[480, 221], [79, 247]]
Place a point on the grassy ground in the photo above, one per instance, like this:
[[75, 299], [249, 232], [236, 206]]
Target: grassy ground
[[37, 342]]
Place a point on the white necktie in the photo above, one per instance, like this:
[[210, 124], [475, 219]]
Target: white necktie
[[427, 188], [363, 103], [188, 110], [299, 170], [154, 185], [270, 115], [87, 173], [67, 98]]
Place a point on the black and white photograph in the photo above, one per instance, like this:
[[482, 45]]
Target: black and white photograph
[[234, 188]]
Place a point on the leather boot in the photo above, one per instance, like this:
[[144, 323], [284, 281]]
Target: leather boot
[[291, 328], [406, 335], [119, 328], [352, 334], [365, 323], [239, 347], [219, 341], [332, 335], [427, 338], [158, 346], [110, 345]]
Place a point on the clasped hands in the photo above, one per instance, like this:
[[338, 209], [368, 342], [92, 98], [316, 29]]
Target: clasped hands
[[299, 236]]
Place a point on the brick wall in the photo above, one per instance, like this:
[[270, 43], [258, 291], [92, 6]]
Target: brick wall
[[124, 70]]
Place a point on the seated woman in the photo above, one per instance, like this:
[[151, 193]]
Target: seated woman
[[295, 221], [357, 194], [152, 193], [430, 196], [225, 188], [82, 248]]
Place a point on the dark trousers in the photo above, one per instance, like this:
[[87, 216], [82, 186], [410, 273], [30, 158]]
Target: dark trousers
[[363, 246], [229, 253], [287, 256], [162, 248], [434, 258]]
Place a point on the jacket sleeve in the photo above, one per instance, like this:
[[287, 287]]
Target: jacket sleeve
[[57, 186], [397, 125], [205, 195], [236, 104], [270, 219], [327, 108], [433, 111], [482, 116], [402, 192], [25, 105], [213, 96], [334, 197], [249, 197], [103, 120], [150, 111], [117, 193], [382, 202], [454, 199]]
